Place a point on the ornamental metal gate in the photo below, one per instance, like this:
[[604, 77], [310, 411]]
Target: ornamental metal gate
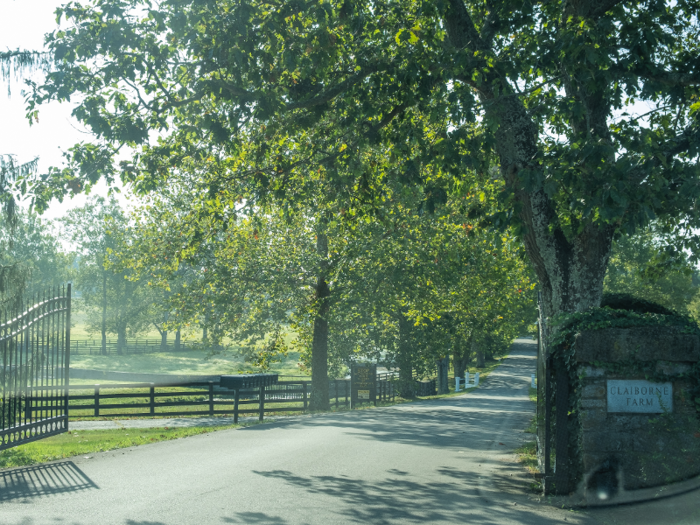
[[552, 413], [35, 354]]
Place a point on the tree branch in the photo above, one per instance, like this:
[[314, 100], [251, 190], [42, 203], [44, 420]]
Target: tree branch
[[461, 29]]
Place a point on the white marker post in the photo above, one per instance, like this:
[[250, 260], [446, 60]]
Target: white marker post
[[532, 381], [457, 384], [476, 379]]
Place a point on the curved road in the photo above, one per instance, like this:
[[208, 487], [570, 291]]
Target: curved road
[[431, 462]]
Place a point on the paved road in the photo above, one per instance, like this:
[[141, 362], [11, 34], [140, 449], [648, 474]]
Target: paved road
[[433, 462]]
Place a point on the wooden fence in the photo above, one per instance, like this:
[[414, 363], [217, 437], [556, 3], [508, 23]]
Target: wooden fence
[[201, 399], [134, 346]]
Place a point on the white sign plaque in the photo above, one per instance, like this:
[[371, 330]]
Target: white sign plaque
[[639, 396]]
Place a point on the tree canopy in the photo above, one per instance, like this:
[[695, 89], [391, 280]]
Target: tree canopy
[[428, 93]]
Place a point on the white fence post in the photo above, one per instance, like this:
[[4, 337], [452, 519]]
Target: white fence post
[[476, 379], [532, 381], [457, 384]]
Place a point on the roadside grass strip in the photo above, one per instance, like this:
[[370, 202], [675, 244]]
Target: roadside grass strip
[[527, 452], [88, 442]]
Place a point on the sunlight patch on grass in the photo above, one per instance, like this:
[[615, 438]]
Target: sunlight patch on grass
[[88, 442]]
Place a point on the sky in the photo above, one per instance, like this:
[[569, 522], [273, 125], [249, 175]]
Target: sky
[[23, 24]]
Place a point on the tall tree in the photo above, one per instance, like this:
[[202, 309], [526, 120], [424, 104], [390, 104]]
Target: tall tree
[[545, 90], [115, 303]]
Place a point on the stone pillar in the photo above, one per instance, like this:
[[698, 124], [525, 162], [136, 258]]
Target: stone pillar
[[638, 422]]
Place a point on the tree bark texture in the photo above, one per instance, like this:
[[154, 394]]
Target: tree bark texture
[[406, 386], [320, 396]]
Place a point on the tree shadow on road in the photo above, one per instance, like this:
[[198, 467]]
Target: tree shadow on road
[[456, 498], [255, 517]]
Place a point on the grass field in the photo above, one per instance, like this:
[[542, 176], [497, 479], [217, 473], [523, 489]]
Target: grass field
[[195, 362], [191, 362], [87, 442]]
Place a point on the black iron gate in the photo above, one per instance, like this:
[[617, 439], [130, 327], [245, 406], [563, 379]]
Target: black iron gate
[[552, 413], [35, 353]]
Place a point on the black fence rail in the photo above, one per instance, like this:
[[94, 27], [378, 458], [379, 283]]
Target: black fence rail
[[137, 346], [34, 367], [200, 399]]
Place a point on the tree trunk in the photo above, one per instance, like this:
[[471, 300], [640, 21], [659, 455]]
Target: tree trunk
[[320, 397], [443, 366], [121, 338], [205, 330], [461, 356], [478, 350], [406, 386], [178, 339], [164, 334], [104, 312]]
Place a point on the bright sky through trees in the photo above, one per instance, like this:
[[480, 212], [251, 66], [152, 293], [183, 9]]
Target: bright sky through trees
[[23, 25]]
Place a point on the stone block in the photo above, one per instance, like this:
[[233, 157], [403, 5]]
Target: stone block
[[593, 419], [628, 422], [593, 391], [650, 343], [592, 403], [590, 371], [605, 442], [670, 368]]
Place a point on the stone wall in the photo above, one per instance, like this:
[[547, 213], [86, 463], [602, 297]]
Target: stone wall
[[645, 442]]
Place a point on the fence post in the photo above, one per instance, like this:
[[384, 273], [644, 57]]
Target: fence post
[[236, 397], [347, 404], [152, 402], [97, 400], [211, 398], [261, 398], [305, 400], [336, 394]]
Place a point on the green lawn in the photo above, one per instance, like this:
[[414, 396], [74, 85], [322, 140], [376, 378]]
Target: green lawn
[[195, 362], [87, 442], [191, 362]]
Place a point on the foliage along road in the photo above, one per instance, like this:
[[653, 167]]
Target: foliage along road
[[444, 461]]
